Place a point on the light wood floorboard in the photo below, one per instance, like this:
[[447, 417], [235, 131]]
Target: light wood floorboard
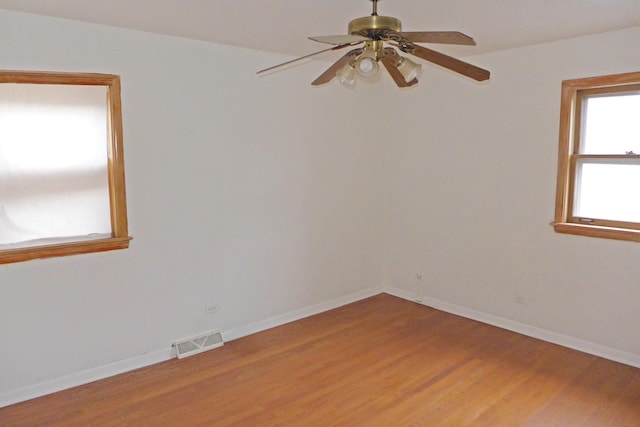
[[382, 361]]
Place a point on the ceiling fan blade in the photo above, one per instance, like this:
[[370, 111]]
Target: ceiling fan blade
[[443, 37], [396, 75], [445, 61], [330, 73], [306, 56], [339, 39]]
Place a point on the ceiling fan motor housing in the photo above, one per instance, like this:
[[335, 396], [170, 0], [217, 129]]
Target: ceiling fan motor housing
[[374, 26]]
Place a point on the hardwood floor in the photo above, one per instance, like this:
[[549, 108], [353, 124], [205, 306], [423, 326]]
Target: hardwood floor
[[382, 361]]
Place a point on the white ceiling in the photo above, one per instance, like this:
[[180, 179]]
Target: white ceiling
[[283, 25]]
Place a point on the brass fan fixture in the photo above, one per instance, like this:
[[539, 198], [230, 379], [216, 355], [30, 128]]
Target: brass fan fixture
[[373, 32]]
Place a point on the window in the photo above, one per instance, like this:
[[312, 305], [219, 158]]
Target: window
[[62, 189], [598, 189]]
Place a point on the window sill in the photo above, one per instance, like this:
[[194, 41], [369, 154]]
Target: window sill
[[597, 231], [63, 249]]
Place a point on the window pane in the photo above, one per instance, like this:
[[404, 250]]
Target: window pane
[[53, 162], [612, 124], [608, 191]]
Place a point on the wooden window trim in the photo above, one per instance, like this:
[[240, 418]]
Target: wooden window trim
[[115, 165], [573, 92]]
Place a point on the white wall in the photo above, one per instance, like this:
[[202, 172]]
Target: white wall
[[473, 190], [266, 196], [259, 195]]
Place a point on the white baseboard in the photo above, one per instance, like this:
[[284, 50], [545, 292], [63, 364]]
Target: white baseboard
[[147, 359], [83, 377], [292, 316], [522, 328]]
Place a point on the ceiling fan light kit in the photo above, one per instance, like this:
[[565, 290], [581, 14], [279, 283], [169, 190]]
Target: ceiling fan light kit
[[374, 31], [366, 64], [409, 69], [347, 75]]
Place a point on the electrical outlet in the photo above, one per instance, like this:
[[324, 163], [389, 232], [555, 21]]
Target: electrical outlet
[[210, 309]]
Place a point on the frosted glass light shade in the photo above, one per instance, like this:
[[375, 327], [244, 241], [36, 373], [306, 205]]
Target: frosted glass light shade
[[367, 64], [347, 75], [409, 69]]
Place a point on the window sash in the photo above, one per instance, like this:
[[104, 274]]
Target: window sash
[[577, 163], [582, 98]]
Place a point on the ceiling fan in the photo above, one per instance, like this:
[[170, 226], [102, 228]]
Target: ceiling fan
[[381, 38]]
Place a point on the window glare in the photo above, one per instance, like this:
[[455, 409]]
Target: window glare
[[612, 125], [53, 127], [608, 191], [53, 161]]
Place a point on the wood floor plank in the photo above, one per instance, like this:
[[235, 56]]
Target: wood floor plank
[[382, 361]]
